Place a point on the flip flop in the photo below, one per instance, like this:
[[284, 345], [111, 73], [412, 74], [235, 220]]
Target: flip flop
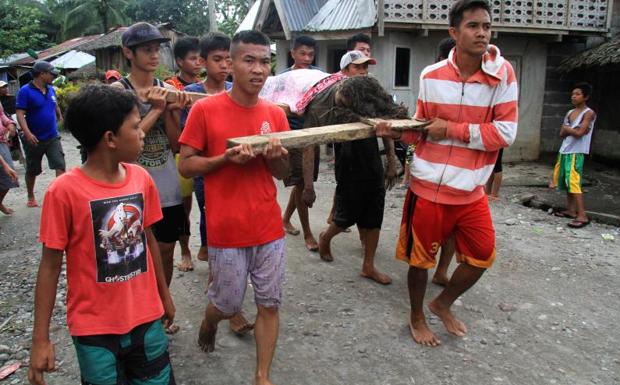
[[292, 231], [577, 224], [564, 214], [32, 203], [172, 329]]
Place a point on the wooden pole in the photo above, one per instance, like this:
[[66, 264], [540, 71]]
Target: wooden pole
[[327, 134]]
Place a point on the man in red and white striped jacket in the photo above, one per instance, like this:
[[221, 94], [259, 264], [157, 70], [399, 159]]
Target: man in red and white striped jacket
[[471, 102]]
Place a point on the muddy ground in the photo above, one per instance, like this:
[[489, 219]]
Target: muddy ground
[[546, 313]]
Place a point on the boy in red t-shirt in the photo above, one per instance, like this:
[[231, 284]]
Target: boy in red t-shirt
[[100, 216], [246, 236]]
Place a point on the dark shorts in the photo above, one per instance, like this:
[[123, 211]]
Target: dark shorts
[[359, 203], [173, 225], [52, 149], [296, 169], [498, 162], [138, 357]]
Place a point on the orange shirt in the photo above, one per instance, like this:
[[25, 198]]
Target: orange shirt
[[111, 284], [240, 200]]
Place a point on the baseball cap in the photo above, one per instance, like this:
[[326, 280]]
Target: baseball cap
[[112, 74], [355, 57], [3, 83], [43, 66], [141, 33]]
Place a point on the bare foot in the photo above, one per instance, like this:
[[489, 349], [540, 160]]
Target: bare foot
[[186, 263], [325, 251], [289, 228], [421, 333], [6, 210], [239, 325], [492, 197], [206, 337], [440, 279], [452, 324], [311, 243], [376, 276], [262, 381], [203, 254]]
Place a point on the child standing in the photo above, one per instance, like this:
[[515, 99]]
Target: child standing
[[186, 54], [160, 123], [100, 215], [568, 171], [8, 177]]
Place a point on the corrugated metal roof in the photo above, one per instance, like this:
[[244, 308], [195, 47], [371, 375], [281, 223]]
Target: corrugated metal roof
[[58, 50], [298, 13], [339, 15]]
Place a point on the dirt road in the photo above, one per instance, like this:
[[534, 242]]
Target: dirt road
[[546, 313]]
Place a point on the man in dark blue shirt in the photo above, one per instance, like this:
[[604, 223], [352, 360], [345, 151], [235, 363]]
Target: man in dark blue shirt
[[37, 112]]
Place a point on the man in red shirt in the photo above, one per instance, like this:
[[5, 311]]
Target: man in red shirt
[[246, 235]]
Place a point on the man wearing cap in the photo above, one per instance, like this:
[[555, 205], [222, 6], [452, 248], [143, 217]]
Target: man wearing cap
[[160, 122], [112, 76], [37, 113], [360, 195]]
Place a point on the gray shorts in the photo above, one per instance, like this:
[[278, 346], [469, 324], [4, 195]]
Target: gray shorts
[[231, 267], [52, 149], [6, 182]]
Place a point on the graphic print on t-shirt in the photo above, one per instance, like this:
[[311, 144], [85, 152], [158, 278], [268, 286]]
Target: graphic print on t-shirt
[[120, 243]]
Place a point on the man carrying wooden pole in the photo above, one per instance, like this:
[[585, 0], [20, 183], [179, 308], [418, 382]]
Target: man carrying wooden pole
[[471, 102]]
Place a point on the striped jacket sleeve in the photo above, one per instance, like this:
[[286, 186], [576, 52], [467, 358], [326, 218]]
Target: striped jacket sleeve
[[502, 130]]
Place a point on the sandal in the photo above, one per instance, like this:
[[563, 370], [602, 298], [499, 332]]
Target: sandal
[[564, 214], [32, 203], [577, 224]]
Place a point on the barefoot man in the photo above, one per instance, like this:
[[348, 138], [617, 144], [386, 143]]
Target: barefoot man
[[471, 101], [246, 236]]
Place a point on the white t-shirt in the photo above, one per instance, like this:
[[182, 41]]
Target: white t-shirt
[[573, 144]]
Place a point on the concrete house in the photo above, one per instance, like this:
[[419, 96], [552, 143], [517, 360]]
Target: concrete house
[[405, 34]]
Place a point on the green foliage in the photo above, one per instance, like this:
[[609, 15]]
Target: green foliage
[[20, 28], [162, 72], [188, 16], [64, 93], [230, 14]]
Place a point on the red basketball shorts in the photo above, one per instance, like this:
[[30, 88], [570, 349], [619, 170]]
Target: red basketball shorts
[[426, 225]]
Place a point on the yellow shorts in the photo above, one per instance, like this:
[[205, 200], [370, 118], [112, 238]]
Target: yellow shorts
[[187, 184]]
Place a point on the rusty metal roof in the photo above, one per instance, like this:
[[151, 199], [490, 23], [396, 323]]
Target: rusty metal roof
[[338, 15]]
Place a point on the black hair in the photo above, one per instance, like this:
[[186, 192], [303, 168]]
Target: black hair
[[456, 12], [586, 88], [213, 41], [359, 38], [304, 40], [444, 47], [97, 109], [185, 45], [251, 37]]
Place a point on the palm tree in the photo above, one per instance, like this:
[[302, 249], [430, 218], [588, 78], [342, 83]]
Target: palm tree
[[107, 12]]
